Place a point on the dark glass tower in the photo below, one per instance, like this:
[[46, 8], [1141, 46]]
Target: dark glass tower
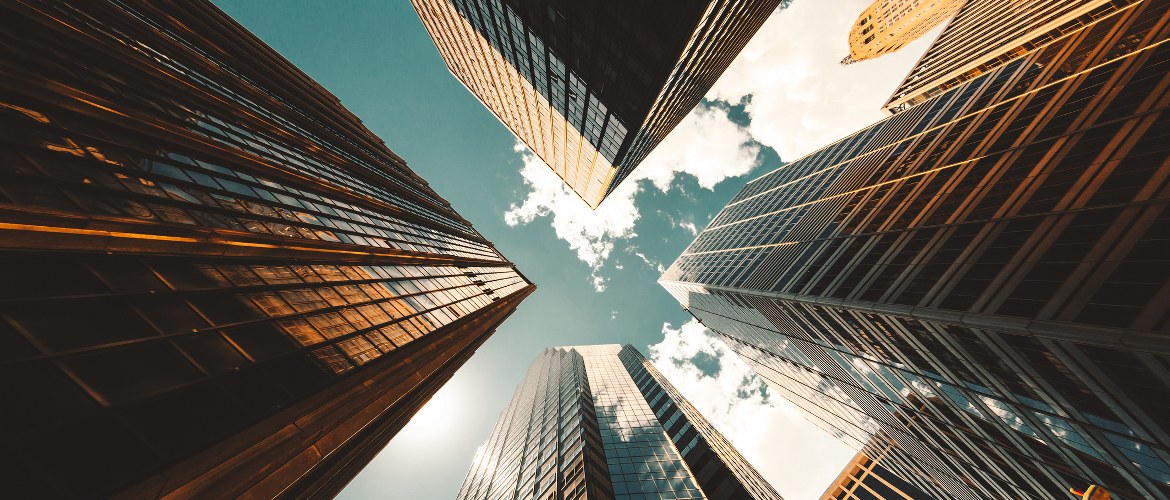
[[591, 86], [215, 281], [601, 422], [981, 280]]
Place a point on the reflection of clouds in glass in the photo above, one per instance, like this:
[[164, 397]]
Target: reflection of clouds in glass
[[1143, 457], [861, 365], [923, 389], [641, 457], [1001, 410], [959, 399]]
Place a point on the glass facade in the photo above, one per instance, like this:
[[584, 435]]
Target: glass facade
[[590, 87], [216, 281], [865, 478], [602, 422], [978, 282], [989, 33]]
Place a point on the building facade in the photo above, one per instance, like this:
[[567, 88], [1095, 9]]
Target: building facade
[[864, 478], [888, 25], [216, 281], [981, 280], [985, 34], [601, 422], [591, 87]]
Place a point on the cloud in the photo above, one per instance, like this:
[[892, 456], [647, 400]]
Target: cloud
[[794, 455], [589, 233], [798, 96], [650, 262], [684, 222], [706, 145]]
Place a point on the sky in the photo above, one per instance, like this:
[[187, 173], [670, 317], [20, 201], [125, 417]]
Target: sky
[[596, 271]]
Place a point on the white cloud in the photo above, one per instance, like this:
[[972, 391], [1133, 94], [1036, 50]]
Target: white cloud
[[794, 455], [685, 222], [590, 233], [706, 145], [801, 98], [650, 262]]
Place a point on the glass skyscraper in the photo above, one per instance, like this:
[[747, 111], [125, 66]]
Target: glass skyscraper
[[591, 87], [979, 282], [988, 33], [601, 422], [866, 478], [214, 280]]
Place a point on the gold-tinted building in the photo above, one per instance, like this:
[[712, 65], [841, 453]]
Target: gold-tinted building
[[985, 34], [888, 25], [214, 281], [864, 478], [591, 87]]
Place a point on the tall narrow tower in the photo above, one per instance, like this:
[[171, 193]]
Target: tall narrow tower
[[591, 87], [214, 281], [979, 283], [601, 422]]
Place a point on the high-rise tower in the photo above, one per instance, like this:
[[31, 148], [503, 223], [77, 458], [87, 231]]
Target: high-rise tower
[[215, 281], [601, 422], [981, 280], [591, 87], [985, 34], [866, 478], [887, 26]]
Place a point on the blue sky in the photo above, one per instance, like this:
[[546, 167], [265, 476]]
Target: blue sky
[[596, 272]]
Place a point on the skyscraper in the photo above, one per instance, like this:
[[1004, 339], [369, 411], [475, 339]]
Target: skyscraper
[[980, 280], [886, 26], [591, 87], [985, 34], [602, 422], [215, 281], [865, 478]]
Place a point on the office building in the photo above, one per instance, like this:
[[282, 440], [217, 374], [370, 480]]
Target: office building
[[985, 34], [980, 280], [864, 478], [216, 282], [886, 26], [601, 422], [591, 87]]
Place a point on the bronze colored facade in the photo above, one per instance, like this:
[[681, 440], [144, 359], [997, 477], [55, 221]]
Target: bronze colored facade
[[216, 281], [591, 87], [981, 280], [864, 478], [600, 422], [888, 25], [988, 33]]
